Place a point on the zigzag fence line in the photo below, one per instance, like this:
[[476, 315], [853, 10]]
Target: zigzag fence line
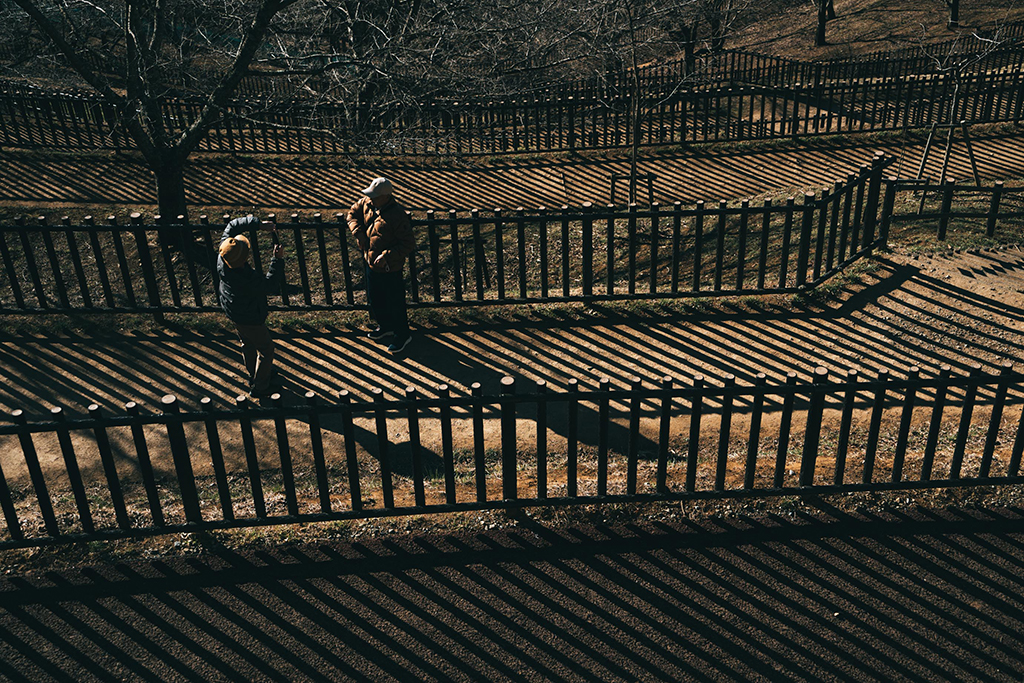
[[463, 257], [30, 119]]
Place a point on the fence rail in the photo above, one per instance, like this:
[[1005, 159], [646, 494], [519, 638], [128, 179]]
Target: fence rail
[[995, 205], [320, 461], [749, 112], [463, 257]]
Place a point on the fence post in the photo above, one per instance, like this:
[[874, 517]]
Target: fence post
[[252, 464], [285, 453], [633, 447], [998, 403], [109, 468], [145, 464], [963, 429], [447, 454], [663, 434], [947, 203], [724, 432], [11, 514], [413, 420], [479, 455], [913, 375], [871, 204], [588, 248], [67, 450], [542, 442], [146, 261], [571, 110], [381, 424], [785, 424], [888, 205], [874, 427], [693, 445], [804, 249], [316, 442], [603, 386], [507, 405], [754, 438], [217, 457], [1013, 467], [182, 461], [352, 462], [993, 209], [812, 430], [35, 472]]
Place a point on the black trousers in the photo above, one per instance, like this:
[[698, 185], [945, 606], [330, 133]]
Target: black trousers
[[385, 293]]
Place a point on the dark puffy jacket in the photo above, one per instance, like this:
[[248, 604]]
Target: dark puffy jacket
[[243, 291]]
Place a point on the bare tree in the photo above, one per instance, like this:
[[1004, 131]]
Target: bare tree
[[137, 52]]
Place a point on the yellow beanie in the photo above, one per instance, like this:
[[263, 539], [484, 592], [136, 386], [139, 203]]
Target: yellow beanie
[[235, 251]]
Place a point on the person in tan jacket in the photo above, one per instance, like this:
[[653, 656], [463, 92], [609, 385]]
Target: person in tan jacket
[[383, 231]]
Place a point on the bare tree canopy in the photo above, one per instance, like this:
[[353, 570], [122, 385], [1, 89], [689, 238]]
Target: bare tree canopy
[[367, 55]]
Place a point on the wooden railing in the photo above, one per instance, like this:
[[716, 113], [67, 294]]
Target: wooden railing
[[343, 459], [463, 257], [821, 106]]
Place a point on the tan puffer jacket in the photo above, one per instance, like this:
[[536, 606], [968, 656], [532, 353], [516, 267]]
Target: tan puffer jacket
[[386, 231]]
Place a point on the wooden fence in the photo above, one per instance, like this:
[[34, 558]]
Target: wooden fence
[[989, 205], [341, 459], [463, 257], [34, 119]]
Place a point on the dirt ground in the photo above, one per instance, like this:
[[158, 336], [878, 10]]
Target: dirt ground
[[898, 311], [867, 26]]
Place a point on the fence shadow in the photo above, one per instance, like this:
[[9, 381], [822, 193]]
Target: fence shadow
[[896, 317], [779, 596]]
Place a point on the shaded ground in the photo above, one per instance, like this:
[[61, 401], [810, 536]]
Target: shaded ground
[[903, 310], [898, 595], [65, 182]]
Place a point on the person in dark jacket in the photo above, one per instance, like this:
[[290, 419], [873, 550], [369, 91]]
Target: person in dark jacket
[[384, 233], [243, 296]]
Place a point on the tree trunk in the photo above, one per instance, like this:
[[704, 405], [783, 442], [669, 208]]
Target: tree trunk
[[954, 13], [819, 38], [684, 35], [831, 9], [170, 194], [717, 34]]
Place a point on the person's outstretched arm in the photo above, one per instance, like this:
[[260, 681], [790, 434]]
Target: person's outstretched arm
[[239, 226], [275, 275]]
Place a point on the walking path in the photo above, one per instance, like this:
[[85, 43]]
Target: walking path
[[900, 595], [299, 184], [911, 311]]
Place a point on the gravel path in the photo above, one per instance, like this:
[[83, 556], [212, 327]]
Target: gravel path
[[909, 595]]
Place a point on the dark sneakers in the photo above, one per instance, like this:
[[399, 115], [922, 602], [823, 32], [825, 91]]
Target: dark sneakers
[[399, 345], [378, 334]]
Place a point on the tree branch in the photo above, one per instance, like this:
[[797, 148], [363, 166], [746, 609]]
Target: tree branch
[[218, 99], [130, 118]]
